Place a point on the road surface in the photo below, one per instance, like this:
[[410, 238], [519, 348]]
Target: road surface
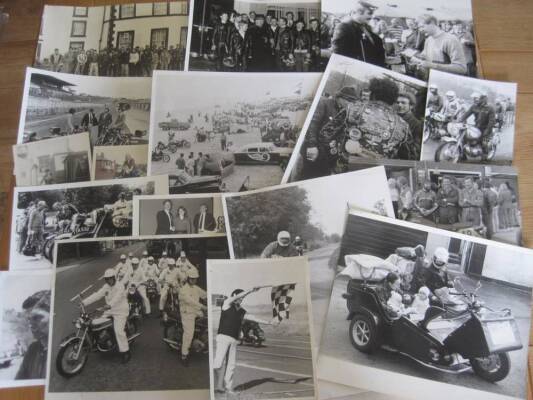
[[336, 342], [153, 365]]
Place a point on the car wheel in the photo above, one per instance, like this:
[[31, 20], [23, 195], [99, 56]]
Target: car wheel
[[493, 368], [364, 333]]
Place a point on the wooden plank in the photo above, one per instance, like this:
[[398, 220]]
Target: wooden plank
[[511, 66]]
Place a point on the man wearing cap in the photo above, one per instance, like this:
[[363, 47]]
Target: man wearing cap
[[184, 266], [144, 261], [229, 330], [442, 50], [282, 247], [434, 101], [485, 119], [116, 299], [163, 262], [138, 279], [123, 268], [37, 312], [191, 307], [169, 279], [405, 104], [354, 37]]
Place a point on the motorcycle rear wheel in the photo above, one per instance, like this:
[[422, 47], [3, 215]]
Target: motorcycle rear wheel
[[493, 368], [443, 153], [364, 334], [65, 352]]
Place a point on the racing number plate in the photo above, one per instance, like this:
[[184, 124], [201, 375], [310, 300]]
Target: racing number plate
[[501, 333]]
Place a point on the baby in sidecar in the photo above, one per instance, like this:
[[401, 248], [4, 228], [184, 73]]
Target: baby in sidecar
[[416, 310]]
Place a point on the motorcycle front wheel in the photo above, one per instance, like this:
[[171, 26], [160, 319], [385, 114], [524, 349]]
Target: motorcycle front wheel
[[448, 152], [493, 368], [68, 367]]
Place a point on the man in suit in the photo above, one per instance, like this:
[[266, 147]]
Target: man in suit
[[89, 122], [354, 37], [165, 219], [204, 221]]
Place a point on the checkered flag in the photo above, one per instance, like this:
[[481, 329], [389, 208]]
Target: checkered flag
[[281, 300]]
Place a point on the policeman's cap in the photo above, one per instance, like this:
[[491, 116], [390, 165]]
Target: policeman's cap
[[171, 261], [123, 256], [135, 260]]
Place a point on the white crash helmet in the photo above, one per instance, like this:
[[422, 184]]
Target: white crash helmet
[[440, 257], [433, 86], [109, 273], [284, 235], [171, 261], [145, 253], [123, 256], [164, 254], [150, 258], [193, 273], [135, 260], [450, 94], [182, 254]]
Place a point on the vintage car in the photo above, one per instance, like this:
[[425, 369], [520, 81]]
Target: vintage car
[[174, 124], [185, 183], [262, 153], [445, 338]]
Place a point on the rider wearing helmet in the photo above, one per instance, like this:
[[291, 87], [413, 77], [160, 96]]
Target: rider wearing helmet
[[437, 276], [169, 278], [282, 247], [184, 265], [452, 106], [138, 279], [163, 262], [485, 119], [123, 268], [144, 260], [116, 307], [434, 101], [190, 296], [299, 244]]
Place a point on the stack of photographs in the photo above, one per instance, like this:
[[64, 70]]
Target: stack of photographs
[[212, 194]]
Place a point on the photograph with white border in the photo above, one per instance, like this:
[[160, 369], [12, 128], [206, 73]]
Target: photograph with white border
[[63, 160], [260, 329], [186, 215], [360, 111], [43, 215], [255, 36], [113, 40], [219, 132], [469, 120], [24, 327], [428, 312], [116, 162], [304, 218], [409, 37], [132, 310], [473, 199], [115, 111]]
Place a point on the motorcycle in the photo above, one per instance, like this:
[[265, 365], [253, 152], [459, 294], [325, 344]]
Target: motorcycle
[[252, 333], [463, 142], [151, 290], [452, 338], [113, 137], [178, 144], [136, 306], [435, 126], [93, 334], [173, 333], [160, 157]]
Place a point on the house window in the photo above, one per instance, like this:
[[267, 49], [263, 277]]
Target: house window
[[160, 8], [78, 28], [125, 40], [127, 11], [159, 38], [80, 11], [76, 47], [184, 8]]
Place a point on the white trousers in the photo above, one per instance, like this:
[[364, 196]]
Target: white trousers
[[187, 321], [226, 350], [142, 291], [119, 325]]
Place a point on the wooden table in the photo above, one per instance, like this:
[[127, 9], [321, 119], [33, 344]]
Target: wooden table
[[505, 43]]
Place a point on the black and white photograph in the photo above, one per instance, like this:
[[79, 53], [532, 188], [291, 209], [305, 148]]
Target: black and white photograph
[[24, 327], [130, 318], [427, 313], [115, 111], [187, 214], [303, 218], [473, 199], [62, 160], [360, 111], [113, 40], [260, 333], [407, 36], [44, 215], [469, 120], [219, 132], [117, 162], [255, 36]]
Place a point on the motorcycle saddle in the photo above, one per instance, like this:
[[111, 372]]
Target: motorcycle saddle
[[101, 322]]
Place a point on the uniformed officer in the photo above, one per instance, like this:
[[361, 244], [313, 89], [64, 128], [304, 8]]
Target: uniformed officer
[[144, 260], [163, 262], [190, 296], [123, 268], [138, 279], [152, 272], [116, 299], [169, 279], [282, 247], [355, 39], [184, 266]]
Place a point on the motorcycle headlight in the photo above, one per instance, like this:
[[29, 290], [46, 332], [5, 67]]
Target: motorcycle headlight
[[77, 323]]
